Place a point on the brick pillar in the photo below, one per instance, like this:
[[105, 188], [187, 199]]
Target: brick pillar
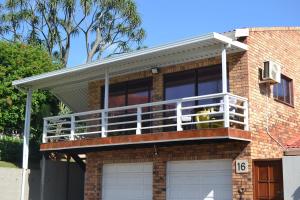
[[158, 87], [159, 179], [158, 94], [93, 179]]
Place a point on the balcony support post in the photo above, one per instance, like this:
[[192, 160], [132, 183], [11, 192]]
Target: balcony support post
[[179, 115], [72, 135], [246, 117], [225, 87], [139, 121], [26, 142], [226, 111], [45, 127], [104, 114], [224, 70]]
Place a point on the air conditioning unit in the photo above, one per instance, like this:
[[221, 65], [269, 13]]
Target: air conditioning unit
[[271, 72]]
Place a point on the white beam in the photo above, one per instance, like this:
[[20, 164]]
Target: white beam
[[26, 142]]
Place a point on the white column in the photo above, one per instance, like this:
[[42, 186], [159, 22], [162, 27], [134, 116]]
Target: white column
[[106, 88], [224, 87], [139, 121], [179, 115], [26, 142], [72, 132], [106, 98], [224, 70]]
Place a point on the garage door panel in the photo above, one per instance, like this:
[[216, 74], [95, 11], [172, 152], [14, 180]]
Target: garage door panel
[[132, 178], [213, 165], [214, 178], [199, 180], [131, 181]]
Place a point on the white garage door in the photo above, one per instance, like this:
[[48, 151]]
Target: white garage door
[[199, 180], [127, 181]]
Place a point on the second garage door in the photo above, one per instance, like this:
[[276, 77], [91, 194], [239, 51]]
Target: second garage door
[[132, 181], [199, 180]]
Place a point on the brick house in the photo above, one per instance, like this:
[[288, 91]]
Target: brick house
[[188, 120]]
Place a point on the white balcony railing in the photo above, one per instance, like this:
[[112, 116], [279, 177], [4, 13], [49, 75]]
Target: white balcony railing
[[208, 111]]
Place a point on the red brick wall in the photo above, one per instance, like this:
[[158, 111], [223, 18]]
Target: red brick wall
[[238, 82], [238, 76], [281, 45], [200, 151]]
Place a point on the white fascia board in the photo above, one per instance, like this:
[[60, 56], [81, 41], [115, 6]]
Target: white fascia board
[[227, 40], [241, 32], [213, 35]]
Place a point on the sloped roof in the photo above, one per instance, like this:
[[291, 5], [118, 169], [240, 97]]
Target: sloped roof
[[70, 85]]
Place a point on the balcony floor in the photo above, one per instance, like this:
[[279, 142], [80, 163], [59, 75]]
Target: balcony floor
[[187, 135]]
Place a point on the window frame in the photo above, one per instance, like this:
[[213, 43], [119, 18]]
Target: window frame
[[291, 91]]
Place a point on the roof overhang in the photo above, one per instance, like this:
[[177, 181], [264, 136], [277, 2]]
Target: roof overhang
[[70, 85]]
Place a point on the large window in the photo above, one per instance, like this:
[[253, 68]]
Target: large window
[[202, 81], [196, 82], [283, 91], [125, 94], [129, 93]]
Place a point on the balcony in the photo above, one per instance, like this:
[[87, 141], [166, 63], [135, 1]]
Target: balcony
[[191, 115]]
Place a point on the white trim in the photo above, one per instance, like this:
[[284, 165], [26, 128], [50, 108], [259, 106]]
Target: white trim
[[126, 56]]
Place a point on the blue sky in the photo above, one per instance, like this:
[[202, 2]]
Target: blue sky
[[171, 20]]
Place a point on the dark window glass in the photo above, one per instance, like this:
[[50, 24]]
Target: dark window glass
[[197, 82], [129, 93], [138, 92], [179, 85], [125, 94], [283, 91], [117, 97], [202, 81], [209, 82]]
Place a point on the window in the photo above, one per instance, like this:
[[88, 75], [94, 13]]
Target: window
[[129, 93], [202, 81], [125, 94], [283, 91], [196, 82]]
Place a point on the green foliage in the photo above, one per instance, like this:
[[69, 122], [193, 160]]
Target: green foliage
[[19, 61], [108, 26], [11, 149]]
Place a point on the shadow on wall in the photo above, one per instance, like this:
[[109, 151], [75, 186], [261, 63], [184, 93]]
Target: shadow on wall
[[296, 195], [56, 182], [34, 178]]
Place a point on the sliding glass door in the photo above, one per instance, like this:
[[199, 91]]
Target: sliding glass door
[[126, 94], [196, 82]]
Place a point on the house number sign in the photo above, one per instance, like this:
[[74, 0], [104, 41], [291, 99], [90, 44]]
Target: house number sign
[[241, 166]]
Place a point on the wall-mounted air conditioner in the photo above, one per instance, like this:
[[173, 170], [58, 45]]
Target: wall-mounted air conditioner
[[271, 72]]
